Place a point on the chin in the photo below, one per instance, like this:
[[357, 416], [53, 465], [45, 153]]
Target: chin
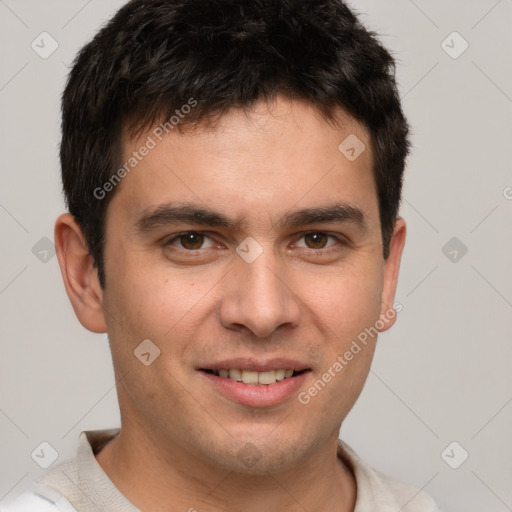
[[258, 457]]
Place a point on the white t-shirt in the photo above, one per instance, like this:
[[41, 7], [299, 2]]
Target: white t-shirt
[[81, 485]]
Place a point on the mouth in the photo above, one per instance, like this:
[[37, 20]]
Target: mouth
[[256, 385], [255, 378]]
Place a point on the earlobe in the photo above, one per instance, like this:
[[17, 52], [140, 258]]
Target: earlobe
[[79, 274], [391, 271]]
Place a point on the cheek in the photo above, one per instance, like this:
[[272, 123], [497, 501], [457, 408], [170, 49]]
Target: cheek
[[346, 302], [144, 305], [345, 311], [150, 299]]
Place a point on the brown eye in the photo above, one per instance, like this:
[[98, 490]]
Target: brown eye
[[316, 240], [191, 241]]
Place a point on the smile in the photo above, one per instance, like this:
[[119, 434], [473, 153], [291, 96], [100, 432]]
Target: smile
[[253, 388], [255, 378]]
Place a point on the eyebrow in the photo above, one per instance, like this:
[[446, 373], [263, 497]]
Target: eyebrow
[[166, 214]]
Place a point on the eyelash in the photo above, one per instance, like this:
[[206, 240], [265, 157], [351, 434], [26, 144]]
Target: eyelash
[[168, 243]]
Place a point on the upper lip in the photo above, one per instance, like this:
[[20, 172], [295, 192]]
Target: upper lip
[[256, 365]]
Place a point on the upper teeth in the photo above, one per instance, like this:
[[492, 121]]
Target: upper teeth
[[252, 377]]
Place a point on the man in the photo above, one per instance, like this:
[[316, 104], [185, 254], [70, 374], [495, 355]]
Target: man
[[233, 174]]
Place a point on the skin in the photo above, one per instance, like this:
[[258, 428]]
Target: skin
[[180, 438]]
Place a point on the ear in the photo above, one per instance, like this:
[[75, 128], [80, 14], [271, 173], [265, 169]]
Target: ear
[[391, 269], [79, 274]]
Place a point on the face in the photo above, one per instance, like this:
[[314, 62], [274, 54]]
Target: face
[[252, 246]]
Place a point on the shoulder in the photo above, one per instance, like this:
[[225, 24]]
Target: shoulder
[[378, 491], [408, 497], [38, 498]]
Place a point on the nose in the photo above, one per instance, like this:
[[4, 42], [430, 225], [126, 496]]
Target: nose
[[259, 296]]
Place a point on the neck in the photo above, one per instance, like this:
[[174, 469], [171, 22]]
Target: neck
[[152, 477]]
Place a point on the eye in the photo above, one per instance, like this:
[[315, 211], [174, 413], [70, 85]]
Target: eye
[[318, 240], [189, 240]]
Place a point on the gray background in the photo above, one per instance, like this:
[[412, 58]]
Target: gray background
[[442, 374]]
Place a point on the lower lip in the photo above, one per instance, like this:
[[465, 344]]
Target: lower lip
[[257, 395]]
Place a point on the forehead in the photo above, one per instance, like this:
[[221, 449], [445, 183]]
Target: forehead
[[255, 163]]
